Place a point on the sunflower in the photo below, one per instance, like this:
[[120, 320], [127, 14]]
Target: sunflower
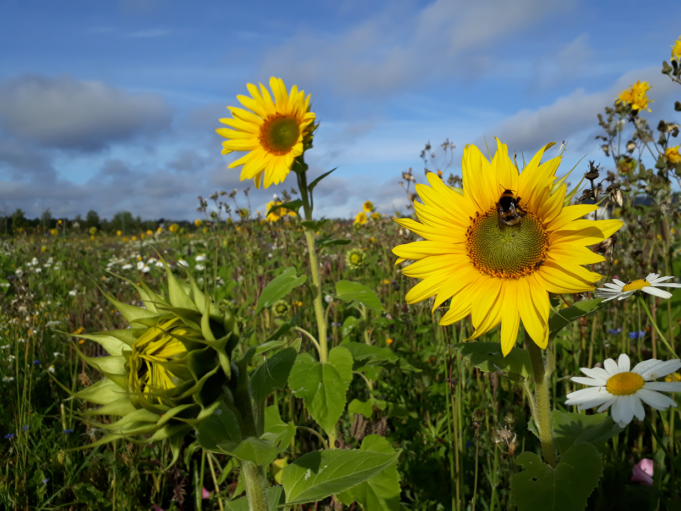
[[273, 131], [496, 272]]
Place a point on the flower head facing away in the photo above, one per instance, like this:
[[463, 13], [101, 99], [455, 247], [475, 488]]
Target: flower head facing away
[[650, 285], [672, 154], [496, 272], [624, 389], [273, 130]]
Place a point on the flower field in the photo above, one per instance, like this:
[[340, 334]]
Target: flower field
[[509, 341]]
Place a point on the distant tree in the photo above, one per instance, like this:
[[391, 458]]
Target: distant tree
[[46, 219], [92, 219], [19, 220], [123, 221]]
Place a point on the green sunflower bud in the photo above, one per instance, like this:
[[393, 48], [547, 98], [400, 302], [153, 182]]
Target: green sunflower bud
[[168, 371], [355, 258], [281, 308]]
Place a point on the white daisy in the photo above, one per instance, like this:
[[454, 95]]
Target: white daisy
[[199, 267], [620, 290], [615, 385], [200, 258]]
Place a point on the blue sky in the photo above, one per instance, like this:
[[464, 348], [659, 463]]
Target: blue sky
[[113, 105]]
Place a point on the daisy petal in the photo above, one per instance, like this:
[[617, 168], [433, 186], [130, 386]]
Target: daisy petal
[[656, 292], [623, 363], [656, 400], [597, 373], [663, 386], [588, 381], [607, 404], [662, 369], [612, 367], [639, 411]]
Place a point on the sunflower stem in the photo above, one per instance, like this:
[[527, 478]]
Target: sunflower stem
[[256, 486], [650, 317], [542, 408]]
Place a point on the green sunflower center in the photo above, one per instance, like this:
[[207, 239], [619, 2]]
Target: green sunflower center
[[279, 133], [507, 252], [625, 384]]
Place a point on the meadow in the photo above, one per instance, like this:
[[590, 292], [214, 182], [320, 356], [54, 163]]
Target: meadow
[[424, 420]]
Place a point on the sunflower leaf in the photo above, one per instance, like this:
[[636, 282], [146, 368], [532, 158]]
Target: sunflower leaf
[[574, 427], [354, 291], [314, 183], [279, 287], [272, 375], [320, 474], [564, 317], [488, 357], [564, 488]]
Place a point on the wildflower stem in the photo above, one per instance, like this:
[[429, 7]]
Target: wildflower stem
[[650, 317], [542, 408], [309, 336]]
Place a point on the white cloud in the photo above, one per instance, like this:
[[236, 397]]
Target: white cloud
[[62, 112]]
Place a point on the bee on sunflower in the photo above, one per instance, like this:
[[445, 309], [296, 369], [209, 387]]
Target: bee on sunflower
[[495, 264]]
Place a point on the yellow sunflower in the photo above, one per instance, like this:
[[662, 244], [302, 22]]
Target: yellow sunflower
[[368, 206], [676, 49], [493, 271], [273, 131]]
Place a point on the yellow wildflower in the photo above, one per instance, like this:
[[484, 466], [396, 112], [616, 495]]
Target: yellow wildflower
[[118, 233], [197, 222], [173, 228], [636, 96], [676, 49], [672, 154], [368, 206], [673, 377], [375, 216], [361, 218], [389, 341], [150, 232]]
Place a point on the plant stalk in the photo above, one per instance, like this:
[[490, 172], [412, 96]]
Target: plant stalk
[[256, 486], [542, 408]]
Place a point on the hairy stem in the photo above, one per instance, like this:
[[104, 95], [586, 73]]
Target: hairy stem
[[256, 486]]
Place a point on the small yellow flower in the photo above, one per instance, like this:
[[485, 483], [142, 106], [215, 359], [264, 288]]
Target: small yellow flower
[[79, 331], [142, 235], [173, 228], [43, 248], [197, 222], [676, 49], [672, 377], [205, 230], [672, 154], [160, 229], [368, 206], [125, 239], [439, 173], [134, 238], [92, 238], [361, 218], [375, 216], [118, 233], [386, 282], [636, 96], [54, 232], [389, 341], [298, 304], [150, 232], [372, 239]]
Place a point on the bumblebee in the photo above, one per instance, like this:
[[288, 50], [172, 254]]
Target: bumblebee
[[509, 209]]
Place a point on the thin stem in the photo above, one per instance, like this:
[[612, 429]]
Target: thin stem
[[215, 481], [315, 433], [542, 407], [311, 337], [650, 317]]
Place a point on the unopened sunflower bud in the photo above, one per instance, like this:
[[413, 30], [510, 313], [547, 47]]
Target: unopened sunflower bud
[[631, 146], [355, 258], [166, 372]]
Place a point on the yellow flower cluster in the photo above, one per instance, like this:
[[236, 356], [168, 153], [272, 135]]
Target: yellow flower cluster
[[277, 214], [676, 49], [173, 228], [636, 96], [672, 154]]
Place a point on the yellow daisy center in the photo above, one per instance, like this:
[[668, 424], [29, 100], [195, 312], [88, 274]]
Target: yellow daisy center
[[636, 285], [506, 252], [279, 133], [625, 384]]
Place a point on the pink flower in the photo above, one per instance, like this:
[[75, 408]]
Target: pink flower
[[643, 472], [205, 494], [157, 508]]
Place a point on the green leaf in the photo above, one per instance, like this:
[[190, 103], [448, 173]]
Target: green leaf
[[355, 292], [348, 326], [220, 427], [565, 488], [323, 387], [276, 430], [268, 346], [382, 491], [564, 317], [368, 355], [272, 375], [487, 357], [574, 427], [365, 408], [293, 205], [314, 225], [261, 452], [279, 287], [319, 474], [274, 495], [331, 242], [314, 183]]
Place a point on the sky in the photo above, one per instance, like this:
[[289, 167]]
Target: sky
[[113, 105]]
